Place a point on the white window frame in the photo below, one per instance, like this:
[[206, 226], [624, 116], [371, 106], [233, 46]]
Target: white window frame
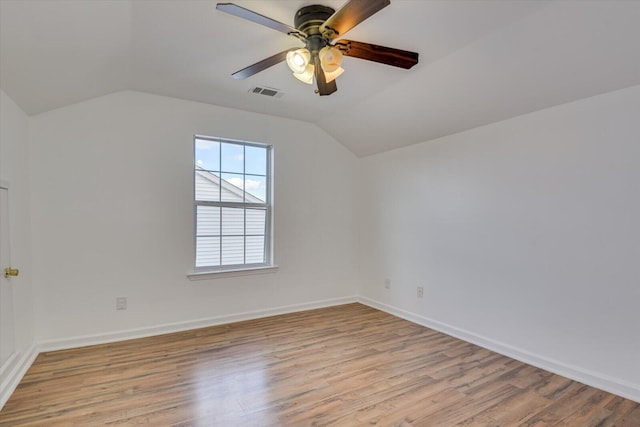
[[205, 272]]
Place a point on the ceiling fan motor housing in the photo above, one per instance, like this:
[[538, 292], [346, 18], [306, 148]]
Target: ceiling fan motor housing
[[309, 19]]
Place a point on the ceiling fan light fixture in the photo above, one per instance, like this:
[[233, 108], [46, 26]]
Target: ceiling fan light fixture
[[330, 59], [329, 77], [318, 27], [298, 60], [307, 75]]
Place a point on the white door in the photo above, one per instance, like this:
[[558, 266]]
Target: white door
[[6, 292]]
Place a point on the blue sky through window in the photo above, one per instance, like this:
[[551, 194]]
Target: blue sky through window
[[217, 157]]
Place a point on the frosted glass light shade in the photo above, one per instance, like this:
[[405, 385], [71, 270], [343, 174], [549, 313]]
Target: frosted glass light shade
[[330, 59], [307, 75], [298, 59], [329, 77]]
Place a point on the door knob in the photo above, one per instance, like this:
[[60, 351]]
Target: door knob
[[9, 272]]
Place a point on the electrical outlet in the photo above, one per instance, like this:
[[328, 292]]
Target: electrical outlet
[[121, 303], [420, 291], [387, 283]]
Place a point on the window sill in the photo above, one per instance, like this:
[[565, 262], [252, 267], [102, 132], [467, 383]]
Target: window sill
[[205, 275]]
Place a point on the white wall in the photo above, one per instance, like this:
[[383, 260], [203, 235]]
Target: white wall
[[14, 171], [525, 235], [112, 215]]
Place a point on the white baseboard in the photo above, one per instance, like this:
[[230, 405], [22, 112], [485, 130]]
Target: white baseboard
[[594, 379], [13, 370], [82, 341]]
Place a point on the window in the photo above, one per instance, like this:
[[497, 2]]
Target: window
[[232, 204]]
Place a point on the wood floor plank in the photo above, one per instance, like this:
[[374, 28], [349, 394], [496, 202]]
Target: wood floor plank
[[349, 365]]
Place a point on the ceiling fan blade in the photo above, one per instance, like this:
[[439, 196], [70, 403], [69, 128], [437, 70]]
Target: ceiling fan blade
[[252, 16], [260, 66], [384, 55], [324, 88], [351, 14]]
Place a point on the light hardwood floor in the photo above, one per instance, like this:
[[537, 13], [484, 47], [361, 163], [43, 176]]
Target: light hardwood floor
[[349, 365]]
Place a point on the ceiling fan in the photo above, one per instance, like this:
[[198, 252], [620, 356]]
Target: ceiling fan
[[320, 28]]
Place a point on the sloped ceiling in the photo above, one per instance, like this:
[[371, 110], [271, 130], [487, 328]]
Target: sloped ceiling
[[480, 61]]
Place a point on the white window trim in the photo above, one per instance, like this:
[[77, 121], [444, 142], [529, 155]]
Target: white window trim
[[219, 274], [215, 272]]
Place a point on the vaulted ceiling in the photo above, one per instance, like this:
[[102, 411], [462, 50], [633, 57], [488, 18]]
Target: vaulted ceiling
[[481, 61]]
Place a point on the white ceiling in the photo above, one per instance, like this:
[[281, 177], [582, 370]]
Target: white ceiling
[[481, 61]]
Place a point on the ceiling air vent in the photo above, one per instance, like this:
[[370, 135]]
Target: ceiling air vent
[[266, 91]]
